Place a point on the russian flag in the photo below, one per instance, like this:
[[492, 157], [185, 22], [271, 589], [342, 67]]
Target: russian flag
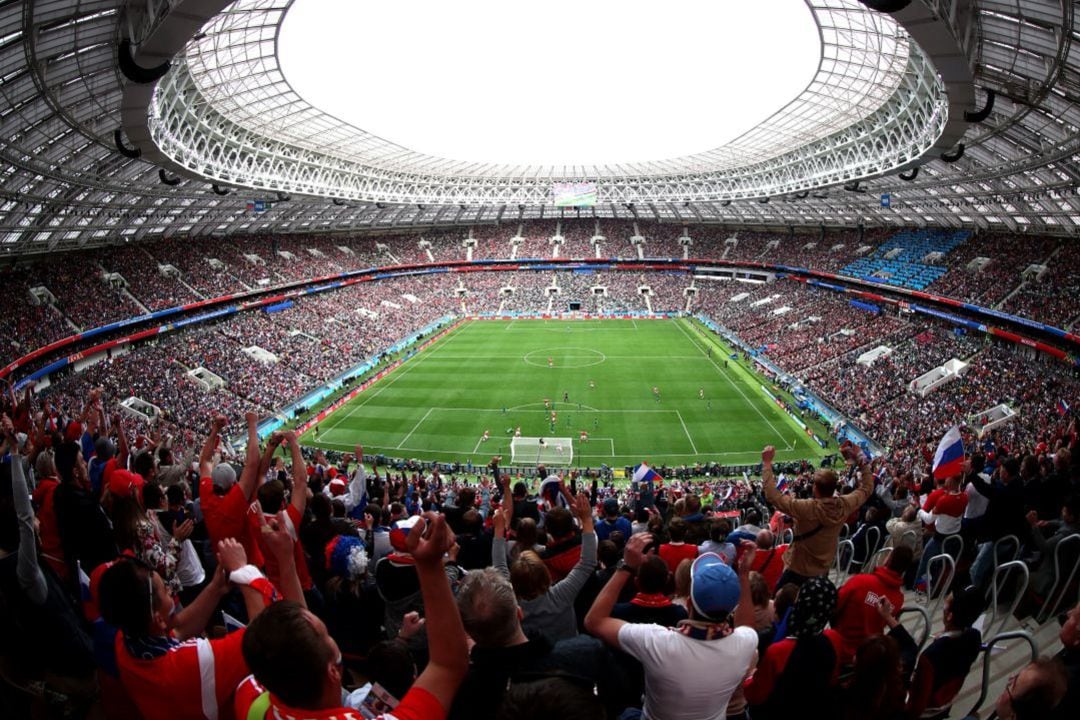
[[645, 474], [949, 458], [782, 483], [1062, 407], [549, 491]]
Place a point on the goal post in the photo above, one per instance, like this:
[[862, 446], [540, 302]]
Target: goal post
[[542, 451]]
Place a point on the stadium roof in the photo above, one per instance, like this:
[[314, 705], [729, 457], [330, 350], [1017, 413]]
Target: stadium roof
[[103, 142]]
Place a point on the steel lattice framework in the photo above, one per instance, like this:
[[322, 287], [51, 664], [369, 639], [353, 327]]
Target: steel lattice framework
[[64, 183], [225, 112]]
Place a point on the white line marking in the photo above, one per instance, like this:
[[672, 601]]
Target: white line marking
[[681, 422], [418, 424], [399, 373], [734, 382]]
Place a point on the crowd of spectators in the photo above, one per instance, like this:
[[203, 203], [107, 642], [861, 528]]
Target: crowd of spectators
[[80, 289], [26, 325], [1052, 298], [536, 240], [144, 280], [133, 574], [1009, 256]]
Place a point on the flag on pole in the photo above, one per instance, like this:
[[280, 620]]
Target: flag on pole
[[782, 483], [1062, 407], [949, 458]]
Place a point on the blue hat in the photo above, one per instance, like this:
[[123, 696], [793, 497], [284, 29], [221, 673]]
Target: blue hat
[[714, 587]]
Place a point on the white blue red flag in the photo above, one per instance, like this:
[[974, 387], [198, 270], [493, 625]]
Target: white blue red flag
[[782, 483], [645, 474], [551, 491], [1062, 407], [949, 458]]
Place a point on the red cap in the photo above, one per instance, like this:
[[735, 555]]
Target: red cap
[[338, 487], [122, 483], [73, 432]]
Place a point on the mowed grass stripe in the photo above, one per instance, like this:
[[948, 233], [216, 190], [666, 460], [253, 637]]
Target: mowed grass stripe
[[494, 376]]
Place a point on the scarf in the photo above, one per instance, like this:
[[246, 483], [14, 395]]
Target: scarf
[[651, 600], [702, 630]]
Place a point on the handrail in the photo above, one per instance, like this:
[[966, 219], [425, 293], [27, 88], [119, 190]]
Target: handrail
[[988, 652], [926, 622], [1051, 605], [1002, 573]]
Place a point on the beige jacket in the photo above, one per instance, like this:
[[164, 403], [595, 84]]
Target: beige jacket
[[817, 523]]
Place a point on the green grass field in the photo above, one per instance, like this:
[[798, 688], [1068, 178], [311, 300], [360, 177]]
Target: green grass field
[[494, 376]]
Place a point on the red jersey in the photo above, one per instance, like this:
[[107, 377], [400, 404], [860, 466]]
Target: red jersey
[[193, 679], [770, 563], [45, 502], [294, 518], [418, 704], [775, 661], [857, 616], [675, 554], [226, 517]]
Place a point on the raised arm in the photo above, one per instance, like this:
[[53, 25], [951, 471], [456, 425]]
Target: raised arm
[[357, 483], [448, 651], [209, 448], [299, 473], [498, 544], [780, 501], [568, 588], [31, 579], [854, 456], [744, 611], [249, 476]]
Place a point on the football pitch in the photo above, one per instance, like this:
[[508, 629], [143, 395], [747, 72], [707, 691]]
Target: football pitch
[[597, 375]]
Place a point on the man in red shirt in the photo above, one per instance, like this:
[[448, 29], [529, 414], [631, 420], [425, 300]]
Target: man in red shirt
[[224, 501], [677, 550], [769, 560], [296, 665], [857, 615], [166, 667], [271, 504]]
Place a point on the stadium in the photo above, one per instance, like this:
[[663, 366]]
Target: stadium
[[306, 236]]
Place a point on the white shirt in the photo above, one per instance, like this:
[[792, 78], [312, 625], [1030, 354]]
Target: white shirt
[[688, 679]]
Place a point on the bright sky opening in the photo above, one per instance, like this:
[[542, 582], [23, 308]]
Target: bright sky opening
[[553, 83]]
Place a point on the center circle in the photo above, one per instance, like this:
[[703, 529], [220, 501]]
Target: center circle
[[565, 357]]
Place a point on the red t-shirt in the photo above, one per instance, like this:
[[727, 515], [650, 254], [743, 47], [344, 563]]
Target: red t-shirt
[[272, 572], [192, 680], [44, 497], [226, 517], [418, 704], [857, 616], [772, 667], [770, 563], [675, 554]]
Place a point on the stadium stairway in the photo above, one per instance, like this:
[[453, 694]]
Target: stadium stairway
[[999, 659], [906, 267]]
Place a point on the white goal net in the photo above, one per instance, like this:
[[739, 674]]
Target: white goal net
[[541, 451]]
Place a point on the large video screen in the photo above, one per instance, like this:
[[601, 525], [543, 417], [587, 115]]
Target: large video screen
[[580, 194]]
